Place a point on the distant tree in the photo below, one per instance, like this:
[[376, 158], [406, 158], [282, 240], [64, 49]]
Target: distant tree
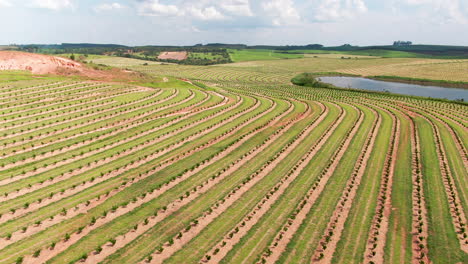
[[72, 57]]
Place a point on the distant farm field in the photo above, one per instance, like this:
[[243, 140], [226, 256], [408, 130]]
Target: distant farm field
[[259, 54], [232, 164]]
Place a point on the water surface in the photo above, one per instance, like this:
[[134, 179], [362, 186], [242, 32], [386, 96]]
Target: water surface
[[397, 88]]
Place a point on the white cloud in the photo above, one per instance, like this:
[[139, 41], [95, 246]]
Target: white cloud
[[333, 10], [5, 3], [237, 7], [52, 4], [154, 8], [207, 13], [282, 12], [440, 11], [200, 10], [108, 7]]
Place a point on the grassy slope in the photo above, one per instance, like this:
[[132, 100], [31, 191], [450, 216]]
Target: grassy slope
[[254, 55], [442, 242], [398, 244]]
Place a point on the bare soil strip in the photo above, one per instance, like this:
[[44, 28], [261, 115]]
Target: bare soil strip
[[53, 94], [20, 89], [39, 106], [63, 245], [379, 227], [53, 101], [439, 117], [456, 209], [197, 228], [14, 124], [38, 111], [89, 152], [215, 211], [134, 121], [125, 125], [235, 235], [20, 94], [36, 205], [85, 117], [332, 234], [26, 160], [95, 108], [282, 239], [106, 160], [419, 228], [83, 208]]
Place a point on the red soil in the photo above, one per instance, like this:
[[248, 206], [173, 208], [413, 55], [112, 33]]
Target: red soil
[[180, 55], [44, 64], [37, 63]]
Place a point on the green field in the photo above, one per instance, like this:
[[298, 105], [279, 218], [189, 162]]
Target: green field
[[233, 164], [238, 55], [369, 52]]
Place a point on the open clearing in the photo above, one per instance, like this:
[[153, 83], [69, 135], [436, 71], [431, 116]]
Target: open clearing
[[233, 165], [173, 55]]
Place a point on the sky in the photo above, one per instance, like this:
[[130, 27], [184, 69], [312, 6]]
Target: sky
[[252, 22]]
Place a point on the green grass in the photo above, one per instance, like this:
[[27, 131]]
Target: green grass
[[261, 75], [258, 54], [351, 247], [399, 237], [442, 242], [369, 52], [171, 224]]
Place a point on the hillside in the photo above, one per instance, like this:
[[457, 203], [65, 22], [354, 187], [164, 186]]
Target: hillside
[[37, 63]]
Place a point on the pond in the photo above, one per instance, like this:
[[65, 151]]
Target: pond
[[397, 88]]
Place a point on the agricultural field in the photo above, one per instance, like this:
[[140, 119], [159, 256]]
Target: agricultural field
[[239, 55], [367, 53], [119, 61], [232, 164], [281, 71]]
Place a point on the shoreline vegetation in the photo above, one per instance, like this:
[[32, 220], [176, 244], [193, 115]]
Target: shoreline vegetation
[[309, 80], [420, 81]]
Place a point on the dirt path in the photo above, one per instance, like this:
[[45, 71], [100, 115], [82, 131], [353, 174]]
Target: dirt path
[[59, 100], [124, 124], [20, 94], [86, 119], [122, 210], [127, 238], [41, 107], [127, 152], [102, 128], [231, 198], [21, 89], [282, 239], [224, 247], [99, 100], [436, 115], [379, 228], [60, 112], [442, 112], [36, 205], [53, 94], [335, 227], [453, 197], [5, 181], [84, 155], [47, 134], [419, 228], [82, 208]]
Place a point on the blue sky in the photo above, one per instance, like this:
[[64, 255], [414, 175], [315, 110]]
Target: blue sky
[[187, 22]]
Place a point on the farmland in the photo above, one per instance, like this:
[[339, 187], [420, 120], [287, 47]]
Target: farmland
[[233, 164], [238, 55]]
